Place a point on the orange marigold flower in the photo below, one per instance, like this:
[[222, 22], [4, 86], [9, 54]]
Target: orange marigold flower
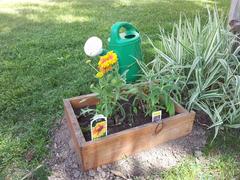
[[105, 70], [108, 60]]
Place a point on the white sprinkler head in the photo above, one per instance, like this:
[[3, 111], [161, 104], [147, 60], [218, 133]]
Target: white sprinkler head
[[93, 46]]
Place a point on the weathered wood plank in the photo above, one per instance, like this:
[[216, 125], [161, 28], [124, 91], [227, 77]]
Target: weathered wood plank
[[119, 145], [127, 142], [84, 100], [75, 131]]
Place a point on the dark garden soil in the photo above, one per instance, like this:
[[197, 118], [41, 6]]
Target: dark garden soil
[[117, 123], [203, 119]]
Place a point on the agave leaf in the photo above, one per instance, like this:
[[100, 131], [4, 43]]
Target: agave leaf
[[235, 126], [212, 78], [211, 52], [193, 66], [198, 73], [226, 67], [237, 91], [189, 50], [210, 95], [201, 56], [193, 99], [216, 129]]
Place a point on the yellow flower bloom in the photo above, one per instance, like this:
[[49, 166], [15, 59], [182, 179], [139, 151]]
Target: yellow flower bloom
[[105, 63], [99, 75], [105, 70], [108, 60], [112, 56], [88, 61], [114, 60], [102, 60]]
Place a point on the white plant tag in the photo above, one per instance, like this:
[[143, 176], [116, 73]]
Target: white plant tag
[[157, 116], [98, 127]]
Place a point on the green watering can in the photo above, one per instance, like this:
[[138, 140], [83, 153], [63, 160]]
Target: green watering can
[[127, 45]]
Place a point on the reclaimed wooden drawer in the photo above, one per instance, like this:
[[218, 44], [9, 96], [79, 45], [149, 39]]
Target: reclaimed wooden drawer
[[116, 146]]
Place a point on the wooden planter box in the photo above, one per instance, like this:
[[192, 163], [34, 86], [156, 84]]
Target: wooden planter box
[[116, 146]]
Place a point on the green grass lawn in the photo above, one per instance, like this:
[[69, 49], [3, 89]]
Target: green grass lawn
[[220, 160], [42, 62]]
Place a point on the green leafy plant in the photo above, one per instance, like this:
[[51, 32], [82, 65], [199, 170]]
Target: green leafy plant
[[108, 90], [153, 92], [201, 54], [109, 87]]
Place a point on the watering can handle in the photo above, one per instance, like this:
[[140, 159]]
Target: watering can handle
[[116, 28]]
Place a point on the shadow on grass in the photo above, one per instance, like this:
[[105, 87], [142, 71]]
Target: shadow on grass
[[227, 142]]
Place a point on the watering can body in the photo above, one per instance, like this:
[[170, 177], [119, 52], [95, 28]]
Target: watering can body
[[127, 45]]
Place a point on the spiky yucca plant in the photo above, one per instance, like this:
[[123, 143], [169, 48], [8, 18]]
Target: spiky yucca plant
[[201, 54]]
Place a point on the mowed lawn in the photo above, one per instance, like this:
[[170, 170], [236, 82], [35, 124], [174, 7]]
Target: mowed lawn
[[42, 62]]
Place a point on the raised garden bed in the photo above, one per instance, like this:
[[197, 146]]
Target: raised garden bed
[[126, 142]]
